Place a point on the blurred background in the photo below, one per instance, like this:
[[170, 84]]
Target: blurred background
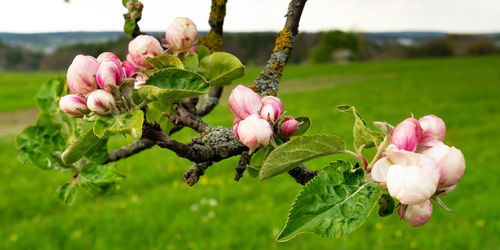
[[389, 58]]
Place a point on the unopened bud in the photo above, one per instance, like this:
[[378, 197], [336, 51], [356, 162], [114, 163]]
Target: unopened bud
[[142, 47], [81, 74], [272, 109], [244, 102], [450, 160], [433, 128], [289, 126], [73, 105], [417, 214], [254, 131], [407, 134], [101, 102], [128, 69], [181, 34], [109, 75]]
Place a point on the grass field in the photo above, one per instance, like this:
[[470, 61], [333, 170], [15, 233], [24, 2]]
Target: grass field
[[157, 210]]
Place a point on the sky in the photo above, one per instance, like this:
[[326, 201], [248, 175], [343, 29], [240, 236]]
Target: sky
[[459, 16]]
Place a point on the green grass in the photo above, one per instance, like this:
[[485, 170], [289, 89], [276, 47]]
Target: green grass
[[157, 210], [18, 89]]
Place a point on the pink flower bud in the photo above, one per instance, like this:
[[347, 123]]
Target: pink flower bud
[[407, 134], [243, 102], [289, 126], [254, 131], [417, 214], [110, 57], [109, 75], [73, 105], [433, 128], [181, 34], [81, 74], [450, 160], [101, 102], [142, 47], [236, 122], [411, 178], [272, 109], [128, 69]]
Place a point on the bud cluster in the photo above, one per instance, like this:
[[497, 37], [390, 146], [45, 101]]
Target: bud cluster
[[418, 166], [257, 119], [96, 83]]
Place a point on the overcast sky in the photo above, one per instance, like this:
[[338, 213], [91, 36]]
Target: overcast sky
[[466, 16]]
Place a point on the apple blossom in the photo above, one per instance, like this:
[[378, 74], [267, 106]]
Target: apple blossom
[[101, 102], [128, 69], [81, 74], [244, 102], [109, 75], [411, 178], [73, 105], [110, 57], [450, 160]]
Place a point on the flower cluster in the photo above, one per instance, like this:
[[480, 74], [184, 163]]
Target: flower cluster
[[93, 81], [418, 166], [257, 118], [96, 82]]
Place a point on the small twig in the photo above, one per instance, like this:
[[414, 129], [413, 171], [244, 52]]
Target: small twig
[[193, 174], [242, 165], [302, 175], [129, 150]]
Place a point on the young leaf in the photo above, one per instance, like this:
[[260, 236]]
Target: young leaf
[[257, 160], [99, 152], [301, 149], [67, 193], [155, 113], [304, 127], [190, 62], [79, 147], [99, 179], [172, 84], [362, 133], [126, 123], [129, 26], [39, 145], [49, 94], [221, 68], [334, 203], [165, 61], [202, 51], [386, 203]]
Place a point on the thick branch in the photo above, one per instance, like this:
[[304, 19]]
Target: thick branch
[[210, 101], [268, 81]]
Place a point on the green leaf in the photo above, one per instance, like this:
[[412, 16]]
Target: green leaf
[[304, 127], [334, 203], [129, 27], [67, 193], [165, 61], [41, 145], [99, 152], [221, 68], [301, 149], [99, 179], [172, 84], [257, 160], [362, 133], [155, 113], [202, 51], [190, 62], [79, 147], [126, 123], [49, 94]]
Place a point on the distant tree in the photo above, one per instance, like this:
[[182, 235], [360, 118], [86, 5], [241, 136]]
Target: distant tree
[[480, 46], [332, 41]]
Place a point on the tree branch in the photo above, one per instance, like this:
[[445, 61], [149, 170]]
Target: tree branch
[[194, 172], [130, 149], [268, 81], [302, 175]]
